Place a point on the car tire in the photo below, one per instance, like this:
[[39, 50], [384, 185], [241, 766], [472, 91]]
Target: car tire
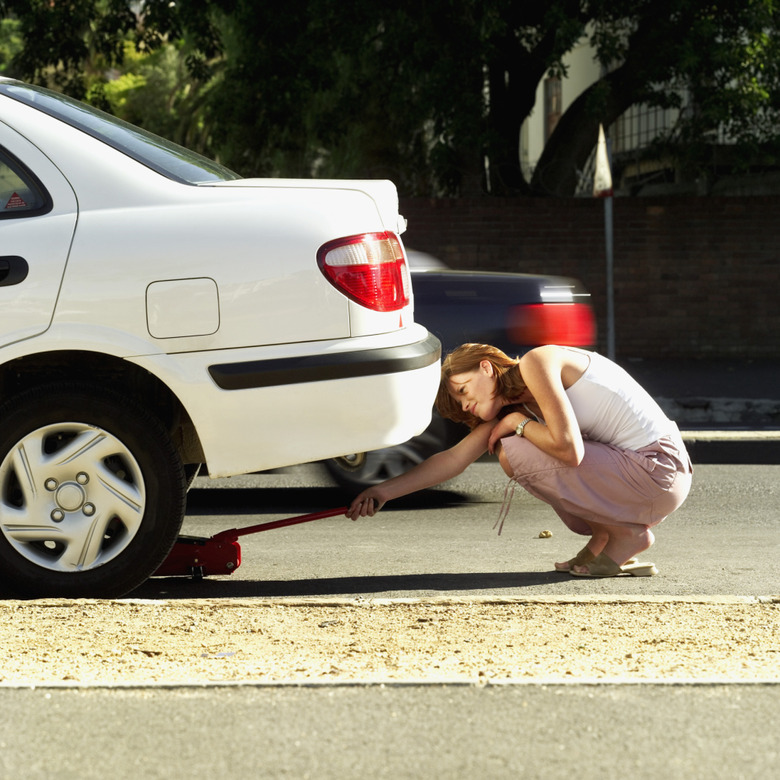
[[92, 492]]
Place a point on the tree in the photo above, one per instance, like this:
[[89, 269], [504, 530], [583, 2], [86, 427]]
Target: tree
[[157, 91], [363, 93], [64, 38], [97, 51], [435, 92], [10, 43], [431, 93], [721, 56]]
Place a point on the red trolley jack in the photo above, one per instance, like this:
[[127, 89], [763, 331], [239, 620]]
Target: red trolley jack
[[197, 556]]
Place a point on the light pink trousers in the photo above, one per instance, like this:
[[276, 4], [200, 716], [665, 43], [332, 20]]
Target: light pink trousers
[[611, 486]]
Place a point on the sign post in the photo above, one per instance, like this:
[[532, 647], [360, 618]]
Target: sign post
[[602, 188]]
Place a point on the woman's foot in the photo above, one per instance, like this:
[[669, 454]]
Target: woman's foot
[[603, 566], [585, 555]]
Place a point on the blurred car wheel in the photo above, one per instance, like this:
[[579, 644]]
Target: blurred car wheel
[[360, 470]]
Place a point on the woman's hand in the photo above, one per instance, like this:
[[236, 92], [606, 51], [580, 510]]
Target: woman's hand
[[505, 427], [434, 470], [367, 504]]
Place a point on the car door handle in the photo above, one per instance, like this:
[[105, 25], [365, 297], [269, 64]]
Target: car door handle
[[13, 269]]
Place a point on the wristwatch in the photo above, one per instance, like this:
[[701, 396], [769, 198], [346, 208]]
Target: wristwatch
[[521, 427]]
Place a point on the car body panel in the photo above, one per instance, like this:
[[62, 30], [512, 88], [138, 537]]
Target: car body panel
[[282, 226], [255, 429], [175, 278], [42, 241]]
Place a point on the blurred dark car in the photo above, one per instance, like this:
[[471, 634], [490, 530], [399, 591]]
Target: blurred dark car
[[514, 312]]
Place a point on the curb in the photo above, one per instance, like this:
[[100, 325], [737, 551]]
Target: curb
[[433, 682], [434, 601], [734, 446], [731, 435]]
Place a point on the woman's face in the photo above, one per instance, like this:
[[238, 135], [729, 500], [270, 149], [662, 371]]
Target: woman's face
[[475, 391]]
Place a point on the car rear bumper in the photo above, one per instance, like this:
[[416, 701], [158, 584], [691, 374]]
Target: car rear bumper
[[265, 410], [326, 366]]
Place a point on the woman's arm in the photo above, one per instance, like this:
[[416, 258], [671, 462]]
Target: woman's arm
[[433, 471], [542, 370]]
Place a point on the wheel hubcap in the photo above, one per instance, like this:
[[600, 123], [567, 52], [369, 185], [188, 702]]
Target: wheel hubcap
[[72, 497]]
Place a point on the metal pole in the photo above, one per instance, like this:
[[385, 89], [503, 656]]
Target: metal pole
[[602, 188], [610, 278]]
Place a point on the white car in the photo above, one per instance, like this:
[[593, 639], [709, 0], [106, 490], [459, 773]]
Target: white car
[[157, 312]]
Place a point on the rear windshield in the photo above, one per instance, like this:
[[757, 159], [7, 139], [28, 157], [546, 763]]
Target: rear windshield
[[171, 160]]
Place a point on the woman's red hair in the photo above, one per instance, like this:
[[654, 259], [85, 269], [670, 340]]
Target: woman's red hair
[[466, 358]]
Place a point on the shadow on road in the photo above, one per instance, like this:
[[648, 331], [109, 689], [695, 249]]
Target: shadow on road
[[380, 586], [256, 501], [384, 584]]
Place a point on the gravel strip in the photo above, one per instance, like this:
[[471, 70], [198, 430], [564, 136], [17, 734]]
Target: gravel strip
[[129, 642]]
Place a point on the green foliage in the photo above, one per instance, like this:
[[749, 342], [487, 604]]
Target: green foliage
[[66, 39], [11, 44], [430, 93], [157, 91]]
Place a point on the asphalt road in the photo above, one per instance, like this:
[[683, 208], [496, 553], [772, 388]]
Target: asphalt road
[[723, 541], [346, 732]]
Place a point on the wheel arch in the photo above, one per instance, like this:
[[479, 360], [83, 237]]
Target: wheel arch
[[29, 371]]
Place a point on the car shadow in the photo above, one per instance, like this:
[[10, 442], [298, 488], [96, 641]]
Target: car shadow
[[259, 501], [340, 587]]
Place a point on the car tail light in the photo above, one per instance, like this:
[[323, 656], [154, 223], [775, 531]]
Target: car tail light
[[370, 269], [566, 324]]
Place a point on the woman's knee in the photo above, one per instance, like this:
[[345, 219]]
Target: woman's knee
[[504, 461]]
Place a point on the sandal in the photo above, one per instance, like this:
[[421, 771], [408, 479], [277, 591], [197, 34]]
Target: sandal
[[584, 556], [580, 559], [603, 566]]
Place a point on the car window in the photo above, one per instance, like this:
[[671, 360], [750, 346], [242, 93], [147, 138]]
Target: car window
[[21, 195], [171, 160]]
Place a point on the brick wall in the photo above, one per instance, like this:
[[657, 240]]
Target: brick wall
[[693, 277]]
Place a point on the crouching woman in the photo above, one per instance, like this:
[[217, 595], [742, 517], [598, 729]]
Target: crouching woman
[[572, 428]]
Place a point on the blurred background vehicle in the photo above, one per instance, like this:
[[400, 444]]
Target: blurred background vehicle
[[514, 312]]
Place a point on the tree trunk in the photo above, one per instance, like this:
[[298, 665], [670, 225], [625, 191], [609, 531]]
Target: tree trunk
[[576, 133]]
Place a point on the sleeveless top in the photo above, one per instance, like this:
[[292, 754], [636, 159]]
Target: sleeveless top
[[613, 408]]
